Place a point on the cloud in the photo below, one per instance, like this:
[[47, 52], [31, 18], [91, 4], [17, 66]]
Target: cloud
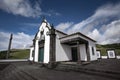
[[21, 7], [108, 10], [25, 8], [20, 40], [64, 26], [95, 34], [112, 33], [102, 26]]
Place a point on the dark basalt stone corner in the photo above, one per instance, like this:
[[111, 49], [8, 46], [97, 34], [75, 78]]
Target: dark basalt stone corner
[[52, 65]]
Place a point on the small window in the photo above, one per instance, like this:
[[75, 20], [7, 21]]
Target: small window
[[93, 51]]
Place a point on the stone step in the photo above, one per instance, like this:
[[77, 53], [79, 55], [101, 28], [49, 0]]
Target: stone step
[[100, 73], [78, 68]]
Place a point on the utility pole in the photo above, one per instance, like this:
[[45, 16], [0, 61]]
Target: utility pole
[[9, 46]]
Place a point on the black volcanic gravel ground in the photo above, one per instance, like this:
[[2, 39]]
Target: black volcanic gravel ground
[[26, 71]]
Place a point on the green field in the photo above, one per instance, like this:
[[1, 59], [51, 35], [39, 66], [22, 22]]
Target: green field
[[104, 48], [16, 54], [24, 53]]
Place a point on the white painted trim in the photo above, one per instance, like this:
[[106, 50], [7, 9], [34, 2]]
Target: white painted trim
[[31, 53], [118, 57], [36, 51], [104, 57]]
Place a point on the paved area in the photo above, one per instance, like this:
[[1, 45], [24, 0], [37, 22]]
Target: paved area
[[100, 70]]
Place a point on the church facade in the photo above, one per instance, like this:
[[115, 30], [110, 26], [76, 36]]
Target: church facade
[[51, 45]]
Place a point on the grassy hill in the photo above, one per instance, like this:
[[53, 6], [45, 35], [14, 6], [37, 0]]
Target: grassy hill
[[16, 54], [24, 53], [104, 48]]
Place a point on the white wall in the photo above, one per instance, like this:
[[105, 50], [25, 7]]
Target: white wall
[[118, 57], [104, 57], [83, 52], [60, 34], [63, 52], [31, 52], [46, 46], [92, 57], [67, 50], [36, 51], [91, 44]]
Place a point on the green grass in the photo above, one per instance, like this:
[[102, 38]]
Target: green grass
[[3, 54], [16, 54], [24, 53], [19, 54], [104, 48]]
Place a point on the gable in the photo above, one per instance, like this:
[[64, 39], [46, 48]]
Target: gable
[[60, 33]]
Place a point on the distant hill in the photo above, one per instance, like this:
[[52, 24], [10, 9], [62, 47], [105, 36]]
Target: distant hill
[[16, 54], [103, 48], [24, 53]]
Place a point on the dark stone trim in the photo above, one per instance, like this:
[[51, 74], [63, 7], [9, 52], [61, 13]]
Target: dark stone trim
[[74, 40], [41, 43], [78, 33], [52, 48], [87, 52], [78, 52], [33, 49]]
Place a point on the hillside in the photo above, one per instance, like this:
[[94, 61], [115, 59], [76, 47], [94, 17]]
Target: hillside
[[24, 53], [104, 48], [16, 54]]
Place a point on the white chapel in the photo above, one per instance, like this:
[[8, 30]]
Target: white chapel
[[51, 45]]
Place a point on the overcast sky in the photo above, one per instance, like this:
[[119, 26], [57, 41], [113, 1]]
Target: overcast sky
[[98, 19]]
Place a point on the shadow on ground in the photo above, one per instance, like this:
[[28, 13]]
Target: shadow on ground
[[108, 69]]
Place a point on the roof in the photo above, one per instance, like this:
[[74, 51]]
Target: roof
[[61, 32], [66, 35], [78, 33]]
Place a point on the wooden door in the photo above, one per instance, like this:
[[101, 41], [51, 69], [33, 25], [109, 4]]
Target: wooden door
[[41, 54], [74, 54]]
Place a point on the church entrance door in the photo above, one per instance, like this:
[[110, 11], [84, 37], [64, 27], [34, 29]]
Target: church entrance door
[[41, 54]]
